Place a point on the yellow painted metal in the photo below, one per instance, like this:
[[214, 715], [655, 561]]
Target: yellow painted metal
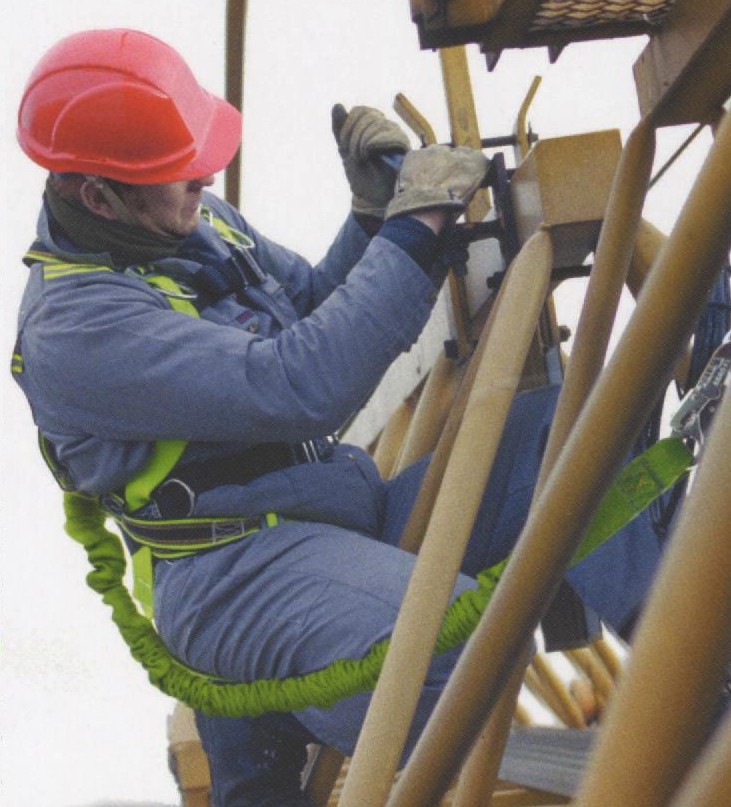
[[610, 420], [432, 411], [602, 298], [710, 781], [680, 653], [564, 184], [394, 700], [235, 47], [410, 433], [522, 146], [543, 680], [648, 244], [454, 74], [650, 240], [465, 132], [610, 658], [392, 437], [535, 373], [416, 526], [418, 522], [463, 122], [683, 642], [589, 663], [480, 774], [614, 253], [411, 116], [522, 797], [523, 716], [684, 73]]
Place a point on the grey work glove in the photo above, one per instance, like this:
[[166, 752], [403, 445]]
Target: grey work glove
[[362, 135], [438, 177]]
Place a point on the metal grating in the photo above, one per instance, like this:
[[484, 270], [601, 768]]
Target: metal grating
[[563, 15], [500, 24]]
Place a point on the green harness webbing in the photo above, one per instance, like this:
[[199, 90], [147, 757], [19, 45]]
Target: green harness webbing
[[637, 485]]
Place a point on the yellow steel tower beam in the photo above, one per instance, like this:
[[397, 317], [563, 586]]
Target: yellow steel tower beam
[[621, 401]]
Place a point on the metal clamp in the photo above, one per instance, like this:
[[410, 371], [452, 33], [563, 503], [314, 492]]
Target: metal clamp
[[696, 410]]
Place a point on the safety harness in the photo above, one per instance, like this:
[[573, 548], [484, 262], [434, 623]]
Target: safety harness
[[638, 484], [168, 538]]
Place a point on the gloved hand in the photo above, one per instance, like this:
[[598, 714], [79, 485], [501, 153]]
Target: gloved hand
[[437, 177], [362, 135]]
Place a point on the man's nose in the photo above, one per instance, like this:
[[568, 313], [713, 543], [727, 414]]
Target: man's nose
[[203, 182]]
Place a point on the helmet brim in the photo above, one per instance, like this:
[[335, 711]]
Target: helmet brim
[[214, 149]]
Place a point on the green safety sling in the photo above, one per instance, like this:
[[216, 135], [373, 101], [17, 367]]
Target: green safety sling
[[638, 484]]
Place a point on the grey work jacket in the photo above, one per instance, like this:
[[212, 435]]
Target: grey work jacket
[[110, 368]]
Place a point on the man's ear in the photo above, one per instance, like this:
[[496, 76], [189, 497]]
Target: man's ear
[[93, 197]]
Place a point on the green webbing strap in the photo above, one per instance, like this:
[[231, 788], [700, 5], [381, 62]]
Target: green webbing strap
[[166, 452], [163, 459], [637, 485]]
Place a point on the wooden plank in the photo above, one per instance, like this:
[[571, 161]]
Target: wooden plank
[[684, 73]]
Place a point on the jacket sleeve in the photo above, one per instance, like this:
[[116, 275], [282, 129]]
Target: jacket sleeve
[[105, 355]]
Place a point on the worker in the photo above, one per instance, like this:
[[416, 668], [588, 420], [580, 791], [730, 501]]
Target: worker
[[251, 383]]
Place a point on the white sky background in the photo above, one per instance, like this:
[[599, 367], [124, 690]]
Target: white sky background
[[79, 724]]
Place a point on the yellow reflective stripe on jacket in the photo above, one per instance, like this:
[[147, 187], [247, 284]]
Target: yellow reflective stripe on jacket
[[172, 290], [16, 364], [55, 267], [65, 269], [166, 453]]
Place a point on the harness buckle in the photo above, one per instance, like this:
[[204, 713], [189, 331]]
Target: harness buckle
[[174, 499], [318, 449]]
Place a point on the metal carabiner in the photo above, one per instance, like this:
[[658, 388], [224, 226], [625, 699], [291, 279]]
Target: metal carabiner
[[698, 407]]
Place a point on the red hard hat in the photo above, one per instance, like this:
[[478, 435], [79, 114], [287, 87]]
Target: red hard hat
[[124, 105]]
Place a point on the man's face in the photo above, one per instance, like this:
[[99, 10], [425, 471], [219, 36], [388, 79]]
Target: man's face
[[167, 209]]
